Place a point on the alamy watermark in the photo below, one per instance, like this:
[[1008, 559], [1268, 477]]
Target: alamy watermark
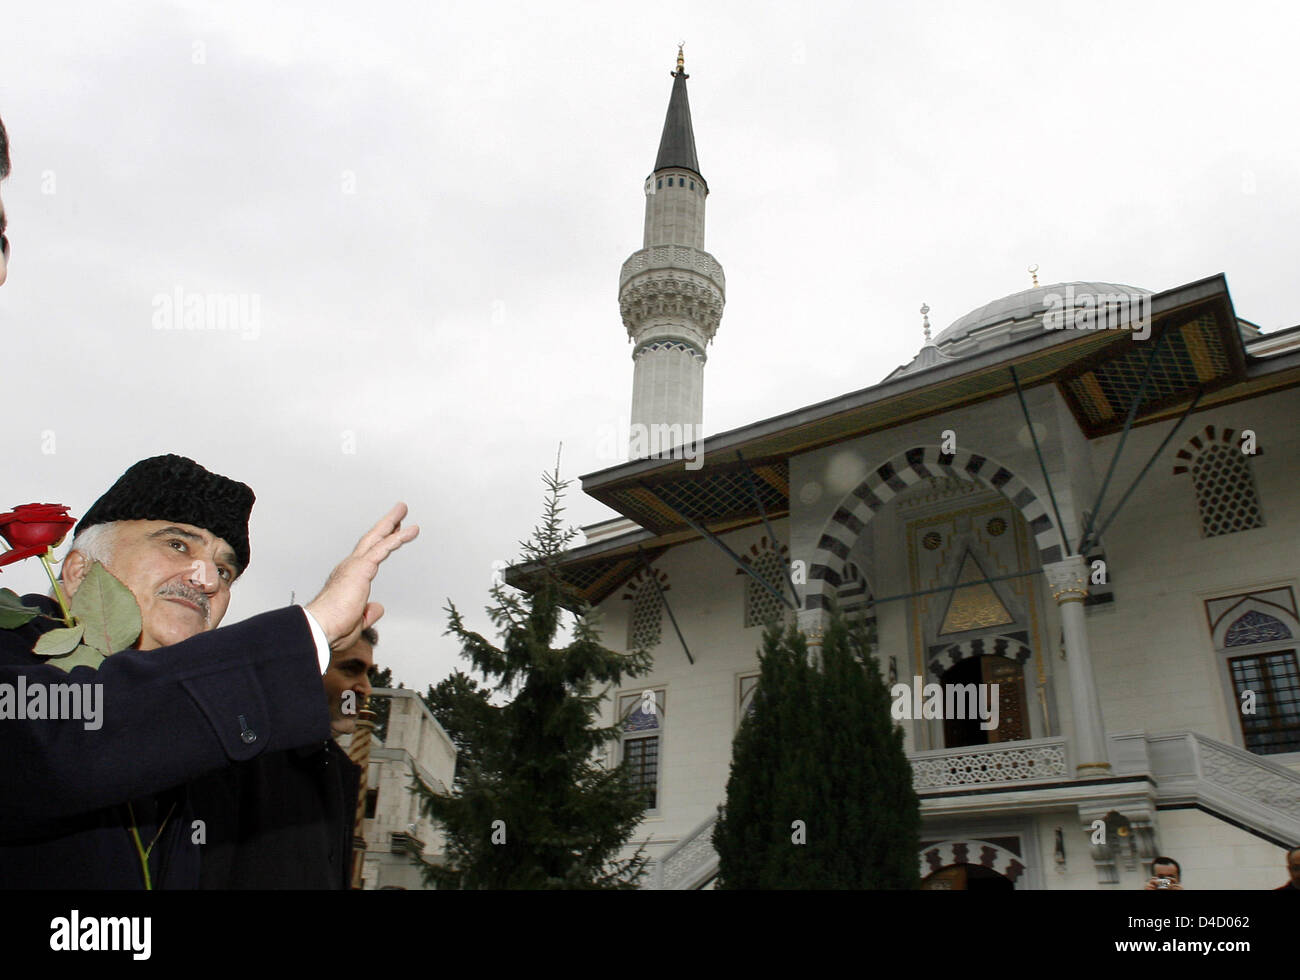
[[658, 440], [124, 933], [962, 702], [1073, 310], [186, 310], [53, 702]]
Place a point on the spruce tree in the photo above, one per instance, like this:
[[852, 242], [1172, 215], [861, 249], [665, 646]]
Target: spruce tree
[[462, 707], [820, 793], [531, 807]]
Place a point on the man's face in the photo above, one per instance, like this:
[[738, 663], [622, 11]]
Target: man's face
[[179, 574], [347, 672], [1165, 871]]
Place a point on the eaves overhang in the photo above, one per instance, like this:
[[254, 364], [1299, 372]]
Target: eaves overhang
[[1192, 333], [742, 476]]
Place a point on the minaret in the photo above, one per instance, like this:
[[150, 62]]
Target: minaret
[[671, 292]]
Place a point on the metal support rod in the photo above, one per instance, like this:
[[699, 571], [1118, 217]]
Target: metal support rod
[[762, 512], [705, 532], [956, 585], [664, 599], [1119, 448], [1051, 494], [1154, 456]]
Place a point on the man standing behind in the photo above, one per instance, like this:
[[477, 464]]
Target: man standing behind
[[285, 820], [347, 682]]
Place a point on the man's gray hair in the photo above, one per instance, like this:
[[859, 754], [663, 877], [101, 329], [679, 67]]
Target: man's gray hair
[[96, 543]]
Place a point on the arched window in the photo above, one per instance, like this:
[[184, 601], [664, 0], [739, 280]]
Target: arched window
[[645, 620], [762, 605], [1255, 636], [1223, 482], [1225, 492], [641, 723], [746, 685], [1255, 627]]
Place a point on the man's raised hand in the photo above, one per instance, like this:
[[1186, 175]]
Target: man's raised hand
[[343, 607]]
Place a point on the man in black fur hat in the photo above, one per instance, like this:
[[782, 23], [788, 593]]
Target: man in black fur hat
[[110, 807]]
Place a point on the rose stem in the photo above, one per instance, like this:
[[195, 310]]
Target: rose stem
[[58, 592]]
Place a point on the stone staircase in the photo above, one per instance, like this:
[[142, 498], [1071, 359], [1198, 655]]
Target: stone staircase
[[1189, 768], [690, 864]]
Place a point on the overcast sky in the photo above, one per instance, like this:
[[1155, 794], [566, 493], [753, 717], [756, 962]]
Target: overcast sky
[[424, 208]]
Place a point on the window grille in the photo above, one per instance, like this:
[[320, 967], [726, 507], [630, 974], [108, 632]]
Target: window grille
[[761, 605], [1225, 491], [644, 627]]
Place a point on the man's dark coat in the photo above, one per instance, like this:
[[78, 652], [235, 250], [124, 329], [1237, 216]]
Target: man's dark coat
[[169, 716], [281, 821]]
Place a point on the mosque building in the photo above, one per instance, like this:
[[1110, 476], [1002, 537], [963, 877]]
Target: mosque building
[[1084, 493]]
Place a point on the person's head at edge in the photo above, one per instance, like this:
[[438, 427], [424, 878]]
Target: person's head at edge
[[1167, 867], [173, 533], [1293, 866], [4, 172], [349, 671]]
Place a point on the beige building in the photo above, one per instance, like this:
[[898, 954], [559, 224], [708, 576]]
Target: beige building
[[398, 839]]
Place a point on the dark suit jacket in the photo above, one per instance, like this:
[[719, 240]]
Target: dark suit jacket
[[168, 716], [280, 821]]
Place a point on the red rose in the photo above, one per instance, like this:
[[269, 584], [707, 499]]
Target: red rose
[[32, 528]]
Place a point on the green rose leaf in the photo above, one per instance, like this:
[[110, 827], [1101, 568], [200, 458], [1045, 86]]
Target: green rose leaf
[[56, 643], [12, 611], [108, 611], [82, 656]]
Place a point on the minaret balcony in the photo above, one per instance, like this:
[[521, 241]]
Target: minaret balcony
[[668, 257]]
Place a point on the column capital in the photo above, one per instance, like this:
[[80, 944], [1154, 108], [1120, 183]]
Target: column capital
[[812, 622], [1068, 579]]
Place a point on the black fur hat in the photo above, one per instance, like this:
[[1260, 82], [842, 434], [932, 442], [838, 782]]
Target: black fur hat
[[173, 488]]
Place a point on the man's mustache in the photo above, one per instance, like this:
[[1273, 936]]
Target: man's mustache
[[182, 591]]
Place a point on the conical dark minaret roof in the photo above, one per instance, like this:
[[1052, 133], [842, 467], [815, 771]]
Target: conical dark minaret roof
[[677, 145]]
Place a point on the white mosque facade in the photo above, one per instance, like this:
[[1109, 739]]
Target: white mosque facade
[[1084, 493]]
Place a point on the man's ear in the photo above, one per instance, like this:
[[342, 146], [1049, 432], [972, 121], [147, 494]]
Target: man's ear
[[75, 567]]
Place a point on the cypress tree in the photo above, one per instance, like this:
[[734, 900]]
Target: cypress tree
[[820, 793]]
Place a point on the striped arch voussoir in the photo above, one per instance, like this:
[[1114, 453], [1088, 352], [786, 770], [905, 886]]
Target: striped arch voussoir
[[759, 548], [642, 580], [1211, 435], [1013, 646], [880, 486], [947, 853]]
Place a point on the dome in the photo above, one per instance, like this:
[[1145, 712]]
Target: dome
[[1019, 309]]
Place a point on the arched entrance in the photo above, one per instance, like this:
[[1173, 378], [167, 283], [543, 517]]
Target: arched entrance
[[976, 676], [969, 865], [859, 506], [967, 878]]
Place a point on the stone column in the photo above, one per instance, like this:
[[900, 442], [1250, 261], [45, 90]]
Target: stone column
[[1069, 583], [812, 624]]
